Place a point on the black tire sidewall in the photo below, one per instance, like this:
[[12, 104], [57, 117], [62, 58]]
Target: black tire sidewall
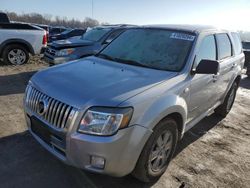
[[222, 109], [11, 47], [233, 88], [141, 170]]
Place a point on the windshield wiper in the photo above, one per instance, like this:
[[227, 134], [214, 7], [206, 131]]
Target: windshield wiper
[[105, 56], [131, 62], [123, 61]]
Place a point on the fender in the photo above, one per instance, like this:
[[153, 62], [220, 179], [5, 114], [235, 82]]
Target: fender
[[234, 77], [19, 41], [163, 107]]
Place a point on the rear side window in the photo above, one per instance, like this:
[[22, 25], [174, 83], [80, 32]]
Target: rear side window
[[224, 46], [207, 49], [237, 43]]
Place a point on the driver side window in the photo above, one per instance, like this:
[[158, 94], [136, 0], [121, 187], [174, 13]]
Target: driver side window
[[207, 49]]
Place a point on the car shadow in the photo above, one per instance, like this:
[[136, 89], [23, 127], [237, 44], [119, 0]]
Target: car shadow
[[198, 131], [2, 63], [14, 83], [24, 162], [245, 82]]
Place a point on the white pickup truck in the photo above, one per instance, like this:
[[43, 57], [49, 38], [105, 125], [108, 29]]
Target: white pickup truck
[[18, 40]]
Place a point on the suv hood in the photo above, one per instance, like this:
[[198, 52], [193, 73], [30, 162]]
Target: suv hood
[[71, 42], [93, 81]]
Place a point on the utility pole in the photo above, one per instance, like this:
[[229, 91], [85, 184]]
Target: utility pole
[[92, 9]]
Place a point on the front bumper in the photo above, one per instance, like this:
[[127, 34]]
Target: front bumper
[[57, 60], [120, 151]]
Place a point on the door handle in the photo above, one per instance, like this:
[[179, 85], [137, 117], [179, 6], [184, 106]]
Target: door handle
[[234, 65], [215, 77]]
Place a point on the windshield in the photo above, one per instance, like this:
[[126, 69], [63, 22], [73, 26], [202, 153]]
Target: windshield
[[153, 48], [95, 34], [66, 31]]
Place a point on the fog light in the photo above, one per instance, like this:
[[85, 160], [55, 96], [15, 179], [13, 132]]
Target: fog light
[[97, 162]]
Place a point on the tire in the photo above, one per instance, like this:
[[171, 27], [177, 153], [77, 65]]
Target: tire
[[15, 54], [226, 106], [145, 170], [248, 71]]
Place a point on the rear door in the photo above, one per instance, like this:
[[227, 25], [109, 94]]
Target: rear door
[[227, 63], [238, 51]]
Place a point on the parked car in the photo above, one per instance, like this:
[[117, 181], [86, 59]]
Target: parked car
[[123, 110], [18, 40], [67, 34], [90, 43], [45, 27], [246, 49], [53, 30], [4, 18]]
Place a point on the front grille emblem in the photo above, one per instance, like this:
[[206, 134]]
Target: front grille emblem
[[42, 106]]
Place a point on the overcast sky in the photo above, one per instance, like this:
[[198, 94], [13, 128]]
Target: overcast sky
[[232, 14]]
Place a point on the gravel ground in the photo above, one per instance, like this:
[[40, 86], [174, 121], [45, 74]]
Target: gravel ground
[[215, 153]]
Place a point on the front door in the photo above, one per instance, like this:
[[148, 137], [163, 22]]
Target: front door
[[203, 86]]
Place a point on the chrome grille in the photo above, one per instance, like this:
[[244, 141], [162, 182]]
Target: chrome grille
[[51, 51], [56, 113]]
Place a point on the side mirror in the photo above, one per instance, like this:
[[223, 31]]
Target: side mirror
[[207, 67]]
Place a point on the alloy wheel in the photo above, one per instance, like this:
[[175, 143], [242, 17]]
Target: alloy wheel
[[17, 56], [160, 151]]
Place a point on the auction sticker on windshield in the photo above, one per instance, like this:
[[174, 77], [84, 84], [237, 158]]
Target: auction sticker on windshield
[[182, 36]]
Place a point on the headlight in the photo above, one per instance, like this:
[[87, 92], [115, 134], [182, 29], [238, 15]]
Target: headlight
[[65, 52], [105, 121]]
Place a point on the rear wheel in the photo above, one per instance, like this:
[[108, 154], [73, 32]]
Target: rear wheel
[[225, 108], [157, 152], [248, 71], [15, 54]]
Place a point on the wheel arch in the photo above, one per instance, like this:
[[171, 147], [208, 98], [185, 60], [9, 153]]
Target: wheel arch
[[21, 42], [237, 79], [173, 106], [177, 117]]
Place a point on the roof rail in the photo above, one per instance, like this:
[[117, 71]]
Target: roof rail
[[117, 25]]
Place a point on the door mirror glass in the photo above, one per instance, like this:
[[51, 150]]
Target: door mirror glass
[[207, 67]]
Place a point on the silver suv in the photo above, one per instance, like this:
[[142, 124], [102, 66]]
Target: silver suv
[[123, 110]]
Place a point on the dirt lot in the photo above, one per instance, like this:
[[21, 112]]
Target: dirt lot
[[215, 153]]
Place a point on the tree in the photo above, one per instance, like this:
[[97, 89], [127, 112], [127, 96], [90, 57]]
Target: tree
[[48, 19]]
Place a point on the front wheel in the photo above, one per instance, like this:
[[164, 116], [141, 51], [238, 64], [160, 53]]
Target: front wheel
[[15, 55], [157, 152], [225, 108]]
